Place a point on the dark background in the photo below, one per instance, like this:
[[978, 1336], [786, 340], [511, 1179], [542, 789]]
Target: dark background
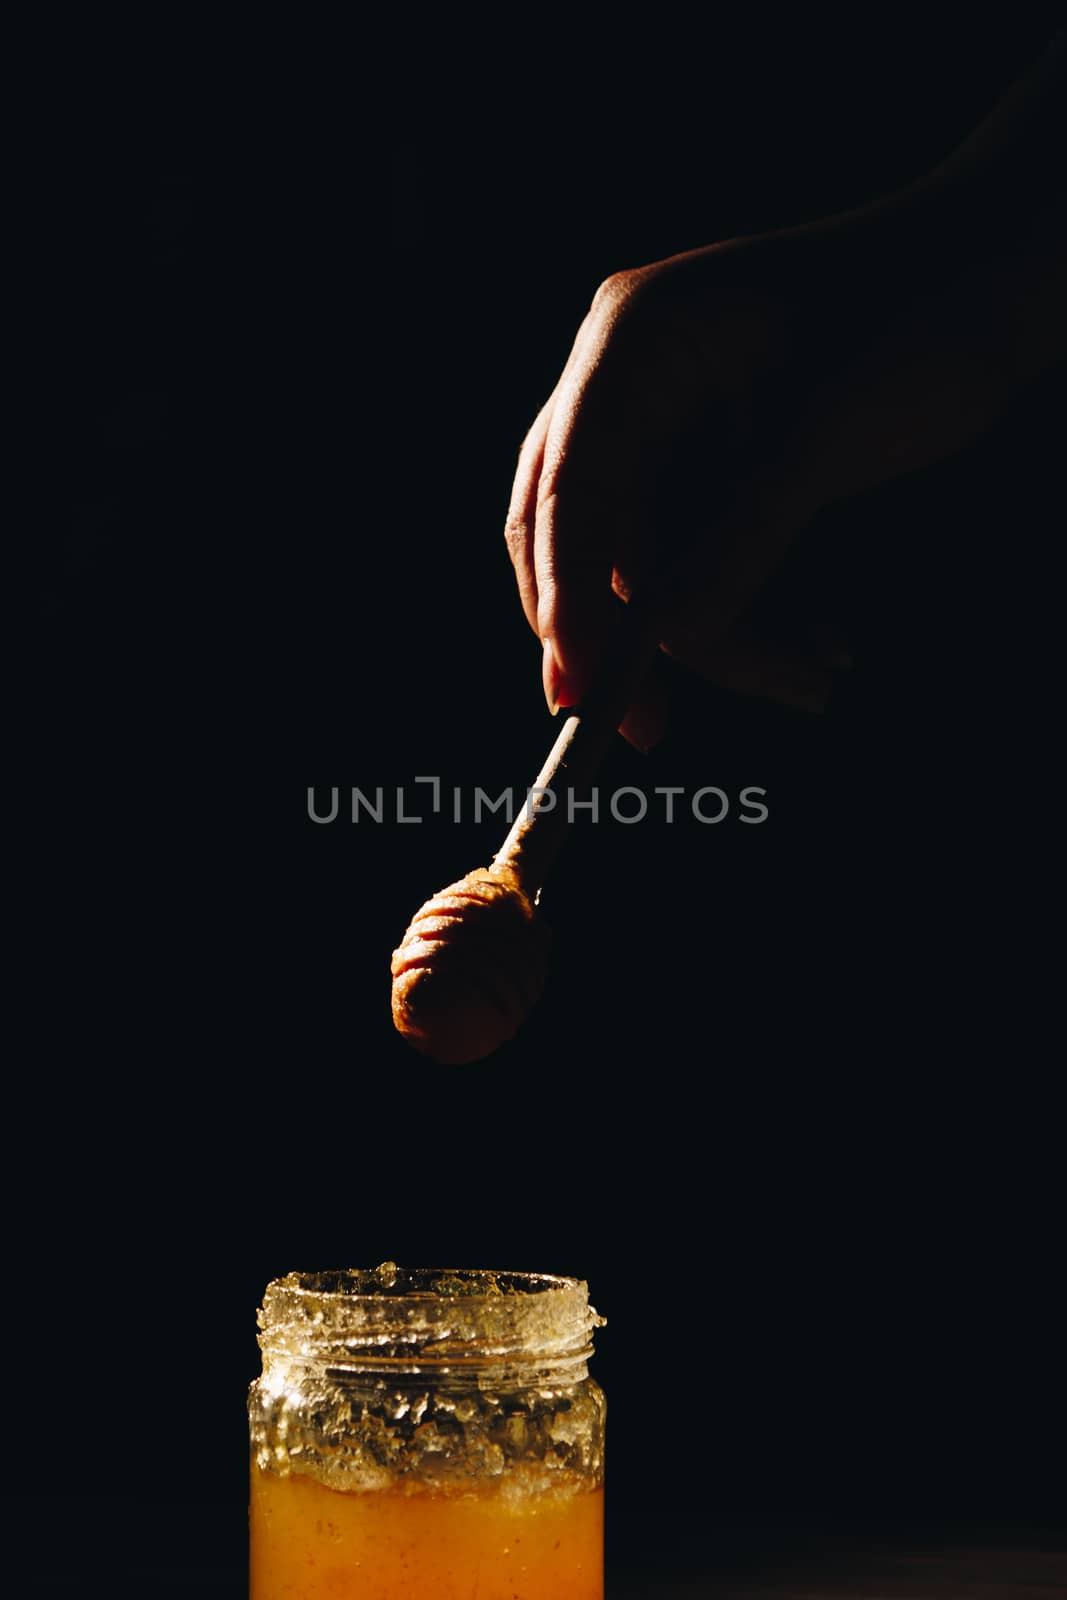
[[787, 1104]]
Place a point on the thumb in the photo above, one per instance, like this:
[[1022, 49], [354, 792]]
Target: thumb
[[713, 582]]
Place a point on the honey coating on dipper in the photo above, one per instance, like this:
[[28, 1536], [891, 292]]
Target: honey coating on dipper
[[470, 967]]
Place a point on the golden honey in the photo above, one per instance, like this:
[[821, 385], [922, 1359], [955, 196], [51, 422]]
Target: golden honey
[[310, 1543]]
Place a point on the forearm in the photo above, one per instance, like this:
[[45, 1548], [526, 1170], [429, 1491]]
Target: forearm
[[1009, 170], [994, 212], [967, 274], [864, 345], [929, 380], [999, 193]]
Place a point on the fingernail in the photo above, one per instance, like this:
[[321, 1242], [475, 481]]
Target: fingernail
[[550, 676], [831, 649], [639, 732], [816, 702]]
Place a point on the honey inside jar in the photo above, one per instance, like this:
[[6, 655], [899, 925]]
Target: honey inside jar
[[426, 1433], [309, 1541]]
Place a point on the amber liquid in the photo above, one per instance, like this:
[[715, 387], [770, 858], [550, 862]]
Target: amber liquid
[[309, 1542]]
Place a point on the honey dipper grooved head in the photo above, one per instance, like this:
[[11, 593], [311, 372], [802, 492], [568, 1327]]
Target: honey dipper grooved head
[[470, 968]]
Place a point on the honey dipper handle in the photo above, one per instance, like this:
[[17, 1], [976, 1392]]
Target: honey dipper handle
[[540, 828]]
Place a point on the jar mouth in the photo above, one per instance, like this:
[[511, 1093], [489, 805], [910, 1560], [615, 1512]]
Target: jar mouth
[[390, 1282], [389, 1316]]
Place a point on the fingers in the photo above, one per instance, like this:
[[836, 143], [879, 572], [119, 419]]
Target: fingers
[[573, 541], [743, 663], [519, 527], [709, 591], [716, 579], [561, 547], [569, 521], [830, 646], [571, 505], [562, 563], [746, 664], [522, 510], [590, 509], [560, 552], [648, 714]]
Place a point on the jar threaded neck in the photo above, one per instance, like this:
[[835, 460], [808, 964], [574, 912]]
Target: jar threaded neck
[[392, 1319]]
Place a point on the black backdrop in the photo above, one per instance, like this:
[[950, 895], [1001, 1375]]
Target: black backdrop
[[787, 1104]]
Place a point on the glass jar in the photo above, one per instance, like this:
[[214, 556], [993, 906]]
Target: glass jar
[[426, 1435]]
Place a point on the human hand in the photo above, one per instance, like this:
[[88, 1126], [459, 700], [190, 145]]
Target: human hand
[[711, 404], [654, 469]]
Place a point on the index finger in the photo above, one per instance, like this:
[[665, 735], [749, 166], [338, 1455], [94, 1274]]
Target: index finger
[[519, 527], [587, 504]]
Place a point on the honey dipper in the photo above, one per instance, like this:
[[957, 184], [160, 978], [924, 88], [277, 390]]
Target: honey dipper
[[473, 961]]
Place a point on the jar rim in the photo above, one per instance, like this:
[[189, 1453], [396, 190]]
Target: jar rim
[[393, 1283], [388, 1314]]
